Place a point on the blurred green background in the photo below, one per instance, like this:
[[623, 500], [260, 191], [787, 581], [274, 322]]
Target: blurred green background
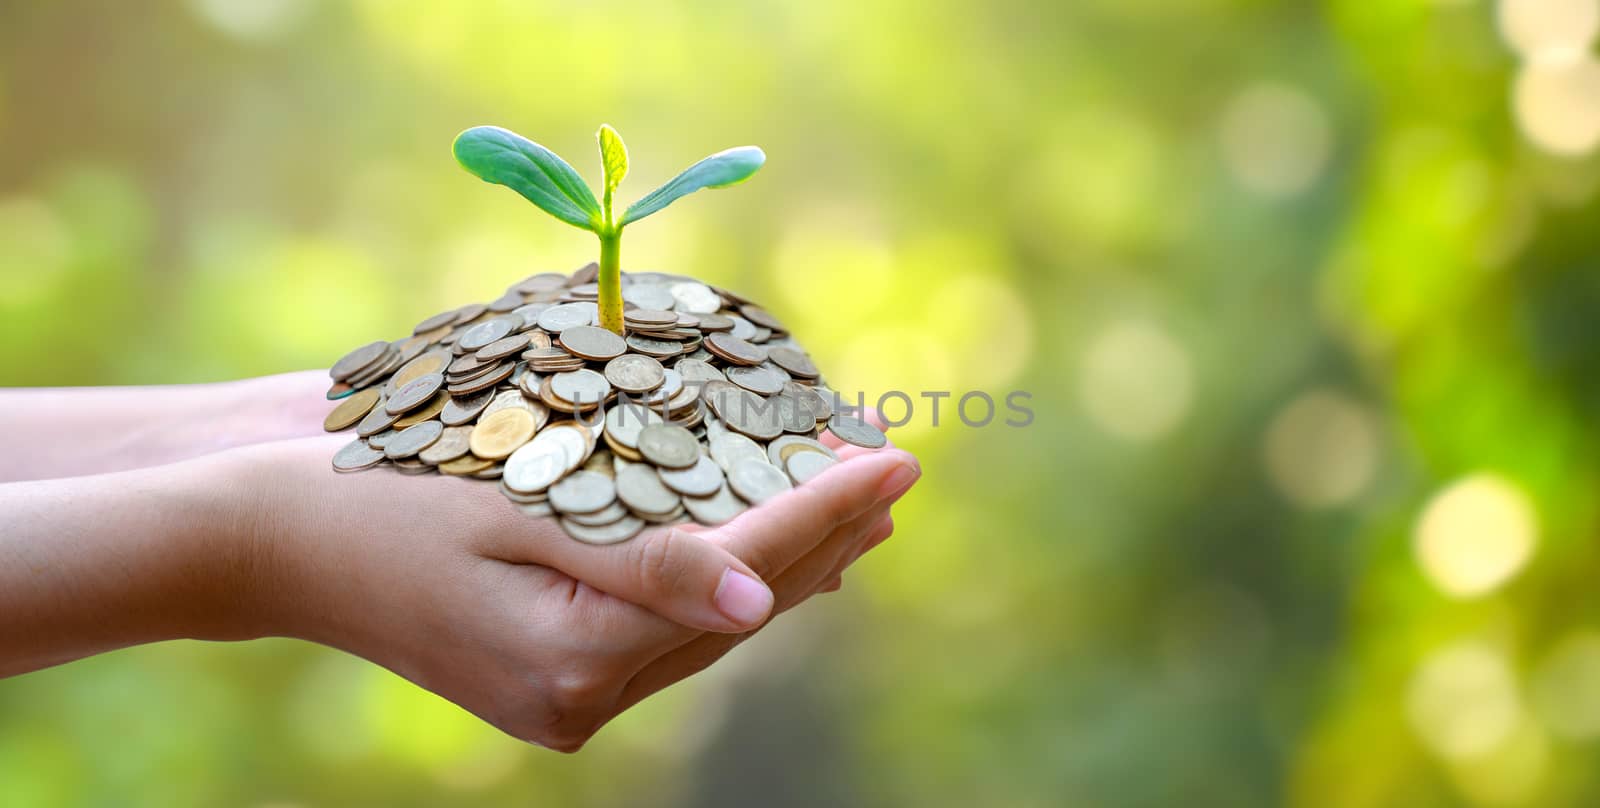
[[1304, 294]]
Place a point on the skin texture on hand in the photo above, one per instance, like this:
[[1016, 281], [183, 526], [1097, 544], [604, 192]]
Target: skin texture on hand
[[438, 579]]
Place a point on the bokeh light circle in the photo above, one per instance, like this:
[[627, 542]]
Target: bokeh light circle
[[1557, 103], [1475, 535], [1136, 381], [1462, 701], [1322, 449]]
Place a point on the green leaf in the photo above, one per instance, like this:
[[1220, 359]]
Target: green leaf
[[614, 156], [717, 171], [506, 158]]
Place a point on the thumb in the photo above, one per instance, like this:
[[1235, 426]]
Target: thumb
[[678, 575]]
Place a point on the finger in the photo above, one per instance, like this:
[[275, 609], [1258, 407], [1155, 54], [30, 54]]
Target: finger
[[676, 574], [784, 529]]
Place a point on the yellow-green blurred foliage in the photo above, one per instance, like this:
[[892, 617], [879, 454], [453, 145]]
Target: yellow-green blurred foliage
[[1305, 294]]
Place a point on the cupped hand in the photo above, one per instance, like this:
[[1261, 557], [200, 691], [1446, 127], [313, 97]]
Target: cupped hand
[[443, 581]]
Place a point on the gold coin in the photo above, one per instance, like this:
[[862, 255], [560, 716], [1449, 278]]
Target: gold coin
[[426, 412], [351, 409], [430, 362], [464, 465], [499, 434]]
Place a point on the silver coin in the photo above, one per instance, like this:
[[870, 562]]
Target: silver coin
[[452, 443], [641, 489], [781, 447], [567, 315], [626, 420], [466, 409], [381, 439], [762, 379], [658, 348], [604, 516], [757, 481], [592, 343], [700, 480], [413, 439], [508, 399], [716, 509], [857, 432], [376, 420], [669, 446], [635, 373], [486, 332], [745, 412], [803, 466], [355, 456], [671, 385], [695, 371], [619, 531], [648, 295], [695, 298], [730, 447], [583, 492], [584, 388], [536, 465]]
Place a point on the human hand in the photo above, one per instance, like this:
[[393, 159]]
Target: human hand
[[447, 584]]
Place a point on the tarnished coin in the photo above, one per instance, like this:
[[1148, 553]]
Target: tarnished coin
[[350, 410], [355, 456], [716, 509], [626, 420], [695, 371], [486, 332], [413, 439], [641, 489], [516, 398], [695, 298], [700, 480], [756, 481], [747, 413], [453, 442], [810, 400], [856, 431], [497, 436], [583, 388], [583, 492], [671, 384], [426, 412], [567, 315], [574, 439], [794, 361], [650, 346], [669, 446], [763, 379], [735, 350], [649, 318], [648, 295], [437, 321], [501, 348], [357, 360], [381, 439], [488, 380], [714, 322], [783, 446], [803, 466], [730, 447], [619, 531], [634, 373], [435, 361], [761, 317], [416, 393], [465, 409], [377, 420], [604, 516], [592, 343], [465, 465]]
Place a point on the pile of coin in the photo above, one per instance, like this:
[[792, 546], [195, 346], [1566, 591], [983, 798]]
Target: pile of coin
[[704, 407]]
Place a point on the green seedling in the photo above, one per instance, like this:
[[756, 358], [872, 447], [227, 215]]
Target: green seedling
[[505, 158]]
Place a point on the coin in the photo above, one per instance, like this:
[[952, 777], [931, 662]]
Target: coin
[[582, 388], [714, 322], [756, 481], [650, 318], [669, 446], [583, 492], [857, 432], [465, 465], [695, 298], [735, 350], [794, 361], [618, 531], [605, 516], [717, 509], [453, 442], [465, 409], [763, 379], [634, 373], [694, 371], [626, 420], [592, 343], [649, 346], [377, 420], [567, 315], [351, 410], [413, 439], [503, 347], [730, 447], [804, 466], [484, 333], [414, 393], [747, 413], [641, 489], [437, 321], [497, 436], [535, 466], [434, 361], [761, 317], [700, 480], [356, 455], [426, 412], [783, 446], [357, 360], [487, 380]]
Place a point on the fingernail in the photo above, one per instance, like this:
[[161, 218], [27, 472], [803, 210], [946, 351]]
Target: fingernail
[[743, 599], [899, 481]]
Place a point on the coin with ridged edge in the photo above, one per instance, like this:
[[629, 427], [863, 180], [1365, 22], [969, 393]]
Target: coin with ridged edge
[[756, 481], [857, 432], [635, 373], [355, 456], [583, 492], [592, 343], [669, 446], [700, 480], [412, 440], [642, 490], [619, 531], [804, 466]]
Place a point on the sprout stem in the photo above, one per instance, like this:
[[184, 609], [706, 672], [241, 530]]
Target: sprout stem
[[611, 281]]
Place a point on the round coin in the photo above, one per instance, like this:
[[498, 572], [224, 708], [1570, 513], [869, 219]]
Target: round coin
[[716, 509], [355, 456], [357, 360], [650, 318], [669, 446], [582, 388], [857, 432], [757, 481], [695, 371], [650, 346], [730, 447], [350, 410], [378, 419], [635, 373], [465, 409], [535, 467], [794, 361], [803, 466], [700, 480], [486, 332], [434, 361], [437, 321], [426, 412], [498, 435], [592, 343], [413, 439], [619, 531], [567, 315], [747, 413], [783, 446], [695, 298], [641, 489], [415, 393], [453, 442], [734, 349], [762, 379], [583, 492], [626, 420], [501, 348]]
